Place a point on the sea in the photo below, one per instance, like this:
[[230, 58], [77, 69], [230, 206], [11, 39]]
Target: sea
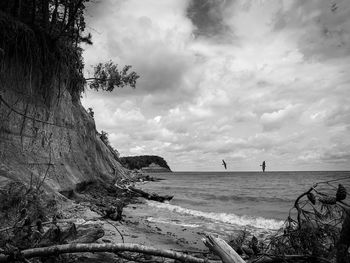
[[224, 202]]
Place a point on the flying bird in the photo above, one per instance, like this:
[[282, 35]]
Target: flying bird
[[263, 165], [224, 164]]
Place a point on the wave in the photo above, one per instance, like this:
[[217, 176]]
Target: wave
[[227, 198], [256, 222]]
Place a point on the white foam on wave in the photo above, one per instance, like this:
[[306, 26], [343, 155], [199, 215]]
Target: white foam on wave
[[162, 221], [257, 222]]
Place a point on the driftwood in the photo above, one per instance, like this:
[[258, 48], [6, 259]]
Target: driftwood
[[216, 245], [289, 258], [75, 248], [222, 249], [344, 240], [153, 196], [313, 234], [229, 255]]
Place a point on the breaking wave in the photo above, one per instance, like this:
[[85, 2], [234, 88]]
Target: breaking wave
[[256, 222]]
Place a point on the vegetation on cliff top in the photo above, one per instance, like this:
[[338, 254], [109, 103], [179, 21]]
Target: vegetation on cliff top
[[41, 43], [138, 162]]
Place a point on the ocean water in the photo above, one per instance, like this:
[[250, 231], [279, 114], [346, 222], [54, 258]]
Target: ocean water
[[223, 202]]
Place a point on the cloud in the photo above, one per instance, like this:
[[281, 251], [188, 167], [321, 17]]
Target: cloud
[[151, 36], [234, 80], [334, 154], [277, 119], [207, 17], [322, 27]]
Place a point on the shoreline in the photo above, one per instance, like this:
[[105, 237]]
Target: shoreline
[[109, 215], [136, 229], [135, 226], [163, 235]]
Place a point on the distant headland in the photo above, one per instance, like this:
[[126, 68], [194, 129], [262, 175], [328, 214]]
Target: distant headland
[[147, 163]]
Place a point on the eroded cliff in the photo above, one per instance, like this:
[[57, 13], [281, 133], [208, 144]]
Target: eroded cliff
[[55, 143]]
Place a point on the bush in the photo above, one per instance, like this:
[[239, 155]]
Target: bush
[[20, 208]]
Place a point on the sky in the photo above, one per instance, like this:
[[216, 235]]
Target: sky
[[243, 81]]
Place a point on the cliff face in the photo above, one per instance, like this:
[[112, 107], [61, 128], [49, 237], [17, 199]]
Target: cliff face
[[55, 143]]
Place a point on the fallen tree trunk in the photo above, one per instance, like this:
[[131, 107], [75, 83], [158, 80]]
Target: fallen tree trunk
[[152, 196], [75, 248], [229, 255], [288, 258], [223, 250]]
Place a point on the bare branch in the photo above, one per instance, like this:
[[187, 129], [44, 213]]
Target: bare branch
[[75, 248]]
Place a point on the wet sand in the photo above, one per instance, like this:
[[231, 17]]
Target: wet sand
[[135, 228], [161, 235]]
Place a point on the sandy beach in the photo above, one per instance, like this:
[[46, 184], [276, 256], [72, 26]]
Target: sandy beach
[[135, 228], [162, 235]]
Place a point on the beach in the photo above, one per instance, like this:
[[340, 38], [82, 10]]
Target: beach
[[161, 235], [87, 208], [134, 228], [132, 220], [223, 203], [181, 223]]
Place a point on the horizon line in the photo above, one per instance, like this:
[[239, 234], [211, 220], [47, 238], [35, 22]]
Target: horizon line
[[249, 171]]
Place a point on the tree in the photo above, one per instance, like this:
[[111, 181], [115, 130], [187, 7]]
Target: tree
[[107, 77], [138, 162], [46, 35]]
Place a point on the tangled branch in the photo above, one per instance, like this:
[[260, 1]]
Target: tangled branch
[[322, 219]]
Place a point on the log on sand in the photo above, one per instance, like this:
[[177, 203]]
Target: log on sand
[[217, 245], [222, 249], [153, 196], [74, 248], [229, 255]]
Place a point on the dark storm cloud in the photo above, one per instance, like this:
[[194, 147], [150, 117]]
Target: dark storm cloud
[[207, 16], [324, 26]]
